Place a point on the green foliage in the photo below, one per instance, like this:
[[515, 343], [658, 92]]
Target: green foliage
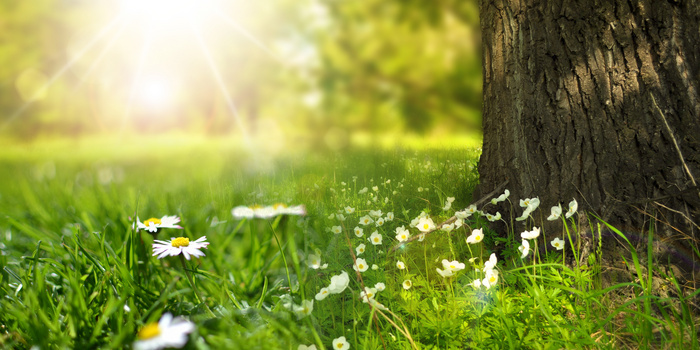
[[329, 72], [75, 274]]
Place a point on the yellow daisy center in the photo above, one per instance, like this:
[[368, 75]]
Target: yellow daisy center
[[277, 206], [556, 244], [339, 345], [478, 238], [152, 220], [426, 226], [361, 266], [492, 279], [452, 266], [376, 239], [180, 242], [149, 331]]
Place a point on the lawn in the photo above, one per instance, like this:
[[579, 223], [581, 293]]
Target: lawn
[[76, 273]]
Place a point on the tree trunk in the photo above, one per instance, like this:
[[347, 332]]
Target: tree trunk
[[595, 100]]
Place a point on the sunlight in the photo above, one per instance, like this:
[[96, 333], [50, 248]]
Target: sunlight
[[38, 93], [155, 92], [151, 54], [222, 86], [172, 11], [139, 68]]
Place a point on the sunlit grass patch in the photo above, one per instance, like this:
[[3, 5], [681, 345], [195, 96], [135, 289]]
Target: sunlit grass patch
[[385, 252]]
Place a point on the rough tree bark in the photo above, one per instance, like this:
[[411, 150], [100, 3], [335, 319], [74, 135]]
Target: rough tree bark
[[595, 100]]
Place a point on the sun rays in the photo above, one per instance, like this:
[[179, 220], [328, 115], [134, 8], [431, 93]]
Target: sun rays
[[149, 38], [63, 70]]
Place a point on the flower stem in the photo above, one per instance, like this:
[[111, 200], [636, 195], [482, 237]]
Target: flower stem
[[200, 300]]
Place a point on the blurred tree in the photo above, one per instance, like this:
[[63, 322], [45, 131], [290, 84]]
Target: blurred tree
[[323, 68], [392, 65], [26, 33]]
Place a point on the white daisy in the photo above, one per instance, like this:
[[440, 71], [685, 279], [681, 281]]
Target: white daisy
[[305, 309], [476, 236], [322, 294], [375, 238], [524, 249], [153, 225], [491, 263], [314, 262], [295, 210], [339, 283], [359, 232], [448, 227], [360, 265], [573, 206], [180, 245], [375, 213], [450, 267], [264, 212], [366, 220], [557, 243], [369, 293], [531, 234], [494, 218], [243, 211], [445, 273], [402, 234], [490, 279], [556, 213], [341, 343], [425, 224], [379, 222], [501, 198], [167, 333]]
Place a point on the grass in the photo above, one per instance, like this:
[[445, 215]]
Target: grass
[[75, 274]]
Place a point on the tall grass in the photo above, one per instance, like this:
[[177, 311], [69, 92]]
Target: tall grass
[[76, 274]]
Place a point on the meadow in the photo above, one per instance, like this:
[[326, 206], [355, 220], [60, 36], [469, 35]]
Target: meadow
[[367, 265]]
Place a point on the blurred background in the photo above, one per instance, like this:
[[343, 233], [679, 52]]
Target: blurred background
[[315, 74]]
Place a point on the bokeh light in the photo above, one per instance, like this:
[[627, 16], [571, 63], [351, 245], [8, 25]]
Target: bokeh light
[[326, 74]]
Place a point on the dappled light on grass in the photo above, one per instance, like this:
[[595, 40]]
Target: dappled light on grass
[[358, 250]]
